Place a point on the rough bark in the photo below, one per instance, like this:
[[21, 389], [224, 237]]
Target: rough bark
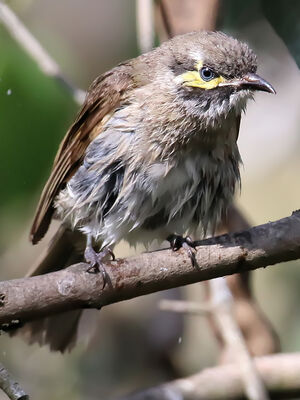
[[72, 288]]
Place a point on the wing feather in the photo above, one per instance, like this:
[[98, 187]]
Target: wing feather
[[104, 96]]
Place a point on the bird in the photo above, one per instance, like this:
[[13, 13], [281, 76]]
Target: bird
[[151, 155]]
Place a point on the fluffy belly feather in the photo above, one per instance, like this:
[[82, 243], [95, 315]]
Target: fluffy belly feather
[[158, 200]]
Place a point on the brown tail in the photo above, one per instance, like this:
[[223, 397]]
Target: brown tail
[[59, 331]]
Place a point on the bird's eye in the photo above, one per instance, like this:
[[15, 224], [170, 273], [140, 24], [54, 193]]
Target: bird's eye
[[207, 74]]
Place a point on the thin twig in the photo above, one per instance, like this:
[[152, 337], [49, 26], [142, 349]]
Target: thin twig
[[221, 309], [145, 24], [222, 300], [10, 386], [185, 307], [73, 288], [251, 320], [30, 44]]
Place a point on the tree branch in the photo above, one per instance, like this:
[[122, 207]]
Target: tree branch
[[10, 386], [220, 308], [251, 320], [73, 288], [280, 373], [223, 315], [145, 25], [185, 307]]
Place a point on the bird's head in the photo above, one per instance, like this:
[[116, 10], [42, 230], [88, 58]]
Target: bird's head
[[213, 73]]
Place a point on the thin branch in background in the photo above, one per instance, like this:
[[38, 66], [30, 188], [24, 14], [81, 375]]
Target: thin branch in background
[[222, 301], [178, 17], [165, 18], [280, 373], [221, 309], [10, 386], [145, 25], [251, 320], [186, 307], [32, 47]]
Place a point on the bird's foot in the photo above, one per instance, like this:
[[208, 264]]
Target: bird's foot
[[96, 261], [176, 242]]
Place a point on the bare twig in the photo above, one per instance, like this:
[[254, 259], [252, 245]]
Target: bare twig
[[30, 44], [10, 386], [165, 20], [259, 335], [73, 288], [280, 373], [221, 309], [145, 24], [186, 307], [223, 303]]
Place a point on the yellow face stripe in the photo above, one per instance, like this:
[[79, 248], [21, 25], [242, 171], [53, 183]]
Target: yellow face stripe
[[193, 78]]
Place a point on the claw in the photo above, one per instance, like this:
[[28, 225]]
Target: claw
[[191, 252], [187, 244], [111, 253], [96, 262]]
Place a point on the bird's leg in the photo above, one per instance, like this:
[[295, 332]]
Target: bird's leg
[[176, 242], [96, 260]]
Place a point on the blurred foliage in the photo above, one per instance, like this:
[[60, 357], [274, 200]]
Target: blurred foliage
[[283, 15], [35, 113]]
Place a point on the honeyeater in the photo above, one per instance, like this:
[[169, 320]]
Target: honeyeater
[[152, 154]]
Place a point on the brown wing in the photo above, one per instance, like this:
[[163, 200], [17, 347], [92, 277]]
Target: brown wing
[[104, 96]]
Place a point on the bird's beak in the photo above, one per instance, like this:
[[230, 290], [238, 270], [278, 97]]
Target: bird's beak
[[250, 81]]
